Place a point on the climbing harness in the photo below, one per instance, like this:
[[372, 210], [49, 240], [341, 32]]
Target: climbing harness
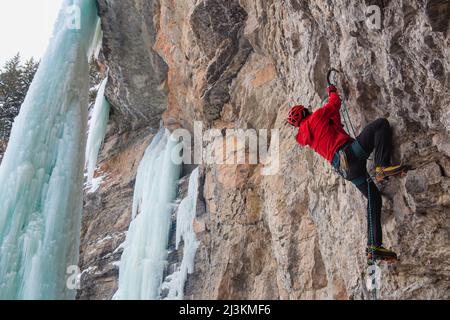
[[340, 161]]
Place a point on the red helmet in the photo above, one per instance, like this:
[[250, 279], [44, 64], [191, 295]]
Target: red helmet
[[296, 115]]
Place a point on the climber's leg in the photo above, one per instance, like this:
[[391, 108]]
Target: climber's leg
[[375, 249], [357, 174], [374, 219], [377, 136]]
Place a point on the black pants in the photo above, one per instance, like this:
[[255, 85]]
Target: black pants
[[377, 137]]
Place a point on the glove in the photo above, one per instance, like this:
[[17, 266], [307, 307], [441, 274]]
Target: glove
[[331, 89]]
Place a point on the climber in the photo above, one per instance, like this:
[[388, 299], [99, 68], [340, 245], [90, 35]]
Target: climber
[[323, 132]]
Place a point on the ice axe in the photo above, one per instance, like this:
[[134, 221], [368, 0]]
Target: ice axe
[[345, 112], [330, 73]]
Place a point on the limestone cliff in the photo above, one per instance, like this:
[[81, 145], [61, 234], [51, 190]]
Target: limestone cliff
[[299, 234]]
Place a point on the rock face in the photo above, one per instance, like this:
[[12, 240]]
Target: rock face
[[137, 92], [300, 233], [107, 215], [137, 73], [3, 145]]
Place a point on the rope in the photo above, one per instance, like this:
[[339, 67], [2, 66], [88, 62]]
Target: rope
[[344, 104], [371, 235], [345, 115], [369, 196]]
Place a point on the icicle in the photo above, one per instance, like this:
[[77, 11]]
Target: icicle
[[145, 249], [97, 42], [97, 130], [42, 171], [185, 218]]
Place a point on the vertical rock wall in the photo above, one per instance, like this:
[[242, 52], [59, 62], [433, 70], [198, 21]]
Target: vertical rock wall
[[299, 234], [138, 95]]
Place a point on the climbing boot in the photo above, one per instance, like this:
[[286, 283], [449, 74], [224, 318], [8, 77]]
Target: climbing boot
[[379, 253], [383, 173]]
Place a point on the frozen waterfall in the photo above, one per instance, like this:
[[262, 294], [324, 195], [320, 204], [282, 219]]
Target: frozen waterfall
[[145, 249], [42, 171], [97, 130], [185, 231]]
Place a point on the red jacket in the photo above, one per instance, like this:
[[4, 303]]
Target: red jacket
[[323, 131]]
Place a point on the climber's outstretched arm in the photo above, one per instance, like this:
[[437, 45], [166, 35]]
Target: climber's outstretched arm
[[334, 103]]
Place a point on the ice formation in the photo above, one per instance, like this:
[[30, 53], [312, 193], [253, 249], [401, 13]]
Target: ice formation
[[185, 231], [42, 172], [97, 130], [145, 249]]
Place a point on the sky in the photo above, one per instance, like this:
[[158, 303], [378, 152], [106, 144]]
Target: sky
[[25, 27]]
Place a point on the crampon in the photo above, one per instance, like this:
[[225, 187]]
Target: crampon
[[384, 173], [380, 254]]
